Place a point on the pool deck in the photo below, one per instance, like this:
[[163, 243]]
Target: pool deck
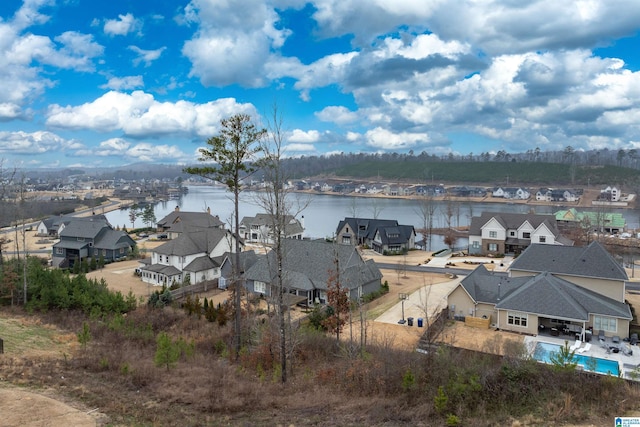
[[626, 363]]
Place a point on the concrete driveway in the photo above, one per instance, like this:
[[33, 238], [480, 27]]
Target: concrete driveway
[[430, 299]]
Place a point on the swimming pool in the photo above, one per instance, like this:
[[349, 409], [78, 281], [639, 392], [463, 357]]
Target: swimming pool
[[544, 350]]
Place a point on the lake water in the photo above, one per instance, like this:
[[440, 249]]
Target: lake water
[[323, 212]]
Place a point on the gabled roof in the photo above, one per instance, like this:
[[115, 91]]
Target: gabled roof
[[201, 264], [167, 270], [589, 261], [114, 239], [291, 227], [247, 259], [512, 221], [483, 286], [398, 234], [548, 295], [202, 241], [309, 264], [86, 228], [365, 227], [177, 221]]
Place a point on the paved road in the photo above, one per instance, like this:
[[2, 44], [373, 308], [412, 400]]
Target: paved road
[[427, 269]]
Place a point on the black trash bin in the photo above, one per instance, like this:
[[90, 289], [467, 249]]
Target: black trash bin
[[410, 321], [419, 322]]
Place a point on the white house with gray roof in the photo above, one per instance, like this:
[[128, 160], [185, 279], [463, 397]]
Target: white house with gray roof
[[193, 256], [307, 268], [552, 289], [259, 228], [178, 222], [494, 233]]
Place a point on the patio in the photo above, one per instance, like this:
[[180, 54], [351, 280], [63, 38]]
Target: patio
[[626, 363]]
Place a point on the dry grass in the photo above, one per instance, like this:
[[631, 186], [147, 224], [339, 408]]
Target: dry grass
[[328, 386]]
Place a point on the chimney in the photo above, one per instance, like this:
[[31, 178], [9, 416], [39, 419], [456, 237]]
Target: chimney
[[208, 210], [302, 221], [177, 209]]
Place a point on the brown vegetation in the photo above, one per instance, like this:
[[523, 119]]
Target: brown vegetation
[[328, 385]]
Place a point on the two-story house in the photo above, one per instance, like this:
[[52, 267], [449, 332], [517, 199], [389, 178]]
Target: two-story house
[[379, 234], [259, 228], [498, 233], [85, 238], [194, 256], [177, 222]]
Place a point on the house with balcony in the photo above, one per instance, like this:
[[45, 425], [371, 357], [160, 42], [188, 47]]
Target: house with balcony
[[86, 238], [259, 229], [495, 233]]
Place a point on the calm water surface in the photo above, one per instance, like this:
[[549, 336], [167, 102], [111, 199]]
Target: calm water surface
[[323, 212]]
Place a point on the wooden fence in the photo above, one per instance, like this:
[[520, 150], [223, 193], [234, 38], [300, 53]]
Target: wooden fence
[[201, 287]]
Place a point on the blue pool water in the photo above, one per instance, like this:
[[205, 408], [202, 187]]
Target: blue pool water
[[544, 350]]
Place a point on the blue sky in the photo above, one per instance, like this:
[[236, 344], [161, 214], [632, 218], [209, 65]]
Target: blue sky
[[108, 83]]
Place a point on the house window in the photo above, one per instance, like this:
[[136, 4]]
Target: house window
[[493, 234], [608, 324], [512, 233], [543, 239], [526, 235], [346, 240], [517, 319], [475, 245], [104, 252], [493, 247], [59, 251], [121, 250], [260, 287], [80, 239]]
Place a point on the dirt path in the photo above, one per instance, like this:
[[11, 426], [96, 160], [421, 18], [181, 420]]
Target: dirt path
[[22, 408]]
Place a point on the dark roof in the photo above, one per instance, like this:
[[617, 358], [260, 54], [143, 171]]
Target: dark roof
[[247, 259], [309, 264], [395, 235], [193, 242], [548, 295], [364, 227], [177, 221], [589, 261]]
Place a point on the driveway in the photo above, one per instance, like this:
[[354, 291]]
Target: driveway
[[427, 300]]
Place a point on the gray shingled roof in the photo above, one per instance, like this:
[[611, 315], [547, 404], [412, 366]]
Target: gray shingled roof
[[114, 239], [201, 264], [512, 221], [167, 270], [370, 226], [177, 221], [87, 228], [247, 259], [194, 242], [548, 295], [398, 234], [589, 261], [483, 286], [292, 225], [308, 265]]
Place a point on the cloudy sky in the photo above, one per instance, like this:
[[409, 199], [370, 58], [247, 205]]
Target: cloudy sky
[[102, 83]]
